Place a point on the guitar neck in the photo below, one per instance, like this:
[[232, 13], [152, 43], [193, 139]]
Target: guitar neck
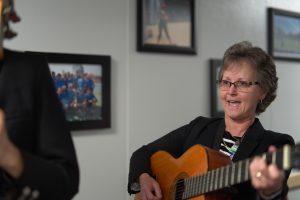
[[229, 175]]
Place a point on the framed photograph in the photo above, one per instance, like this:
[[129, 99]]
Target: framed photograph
[[216, 107], [83, 87], [166, 26], [284, 34]]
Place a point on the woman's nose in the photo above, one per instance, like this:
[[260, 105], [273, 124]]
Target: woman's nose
[[232, 89]]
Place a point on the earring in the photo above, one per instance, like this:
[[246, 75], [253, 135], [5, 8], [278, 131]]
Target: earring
[[261, 101]]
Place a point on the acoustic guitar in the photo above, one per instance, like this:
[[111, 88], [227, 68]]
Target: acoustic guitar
[[204, 174]]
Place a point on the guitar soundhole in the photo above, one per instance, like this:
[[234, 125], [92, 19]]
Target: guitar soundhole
[[180, 187]]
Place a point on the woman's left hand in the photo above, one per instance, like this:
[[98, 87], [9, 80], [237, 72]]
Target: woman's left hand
[[266, 179]]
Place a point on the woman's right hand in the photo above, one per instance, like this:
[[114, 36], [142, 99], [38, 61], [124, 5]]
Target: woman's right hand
[[150, 189]]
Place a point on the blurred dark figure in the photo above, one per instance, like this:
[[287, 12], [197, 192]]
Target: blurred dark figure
[[37, 155]]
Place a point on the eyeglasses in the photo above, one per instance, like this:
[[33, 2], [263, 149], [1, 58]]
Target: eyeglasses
[[239, 85]]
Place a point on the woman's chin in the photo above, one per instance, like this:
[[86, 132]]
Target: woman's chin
[[232, 110], [233, 114]]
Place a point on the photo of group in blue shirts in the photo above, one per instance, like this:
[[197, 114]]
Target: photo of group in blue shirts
[[78, 88]]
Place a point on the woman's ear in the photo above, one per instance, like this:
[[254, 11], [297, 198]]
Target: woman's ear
[[263, 95]]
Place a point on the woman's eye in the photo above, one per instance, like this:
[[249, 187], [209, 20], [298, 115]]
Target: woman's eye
[[226, 83], [243, 83]]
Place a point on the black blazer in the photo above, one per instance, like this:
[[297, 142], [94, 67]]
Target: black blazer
[[208, 132], [36, 124]]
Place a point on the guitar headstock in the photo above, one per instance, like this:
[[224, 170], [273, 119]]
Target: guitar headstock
[[286, 158]]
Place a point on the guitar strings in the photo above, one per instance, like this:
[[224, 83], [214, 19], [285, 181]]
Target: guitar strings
[[240, 166], [209, 180]]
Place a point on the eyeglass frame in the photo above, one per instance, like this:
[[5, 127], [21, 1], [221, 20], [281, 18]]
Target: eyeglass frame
[[236, 84]]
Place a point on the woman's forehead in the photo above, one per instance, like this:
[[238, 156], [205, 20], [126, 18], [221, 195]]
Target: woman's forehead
[[244, 69]]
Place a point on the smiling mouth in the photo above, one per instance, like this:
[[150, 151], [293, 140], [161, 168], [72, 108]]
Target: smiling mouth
[[234, 103]]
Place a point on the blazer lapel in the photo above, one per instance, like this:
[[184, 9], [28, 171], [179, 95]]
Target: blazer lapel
[[250, 141], [219, 136]]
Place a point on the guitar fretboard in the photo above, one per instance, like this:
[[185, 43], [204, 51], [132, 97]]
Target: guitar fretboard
[[228, 175]]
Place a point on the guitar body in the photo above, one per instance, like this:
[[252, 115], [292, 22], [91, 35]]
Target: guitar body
[[197, 160]]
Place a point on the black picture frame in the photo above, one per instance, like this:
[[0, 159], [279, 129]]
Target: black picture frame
[[175, 19], [283, 34], [83, 114], [216, 108]]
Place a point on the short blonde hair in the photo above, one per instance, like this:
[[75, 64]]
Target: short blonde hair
[[263, 65]]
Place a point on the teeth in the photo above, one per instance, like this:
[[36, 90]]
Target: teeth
[[234, 103]]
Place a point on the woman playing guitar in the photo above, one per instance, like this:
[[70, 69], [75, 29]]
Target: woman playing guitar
[[247, 85]]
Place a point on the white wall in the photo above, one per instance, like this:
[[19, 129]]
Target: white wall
[[151, 93]]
